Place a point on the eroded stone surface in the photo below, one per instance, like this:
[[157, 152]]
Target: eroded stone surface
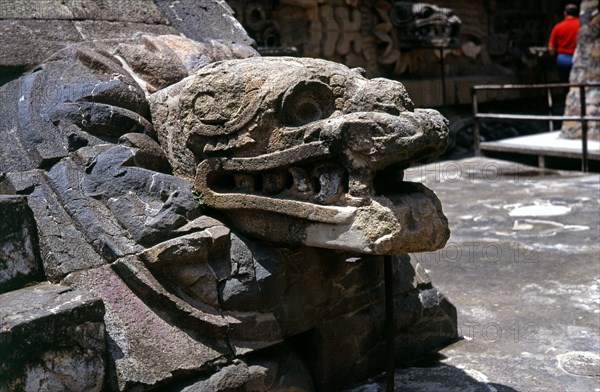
[[580, 363], [20, 260], [51, 338]]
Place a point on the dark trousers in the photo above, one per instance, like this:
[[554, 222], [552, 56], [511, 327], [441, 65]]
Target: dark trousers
[[564, 62]]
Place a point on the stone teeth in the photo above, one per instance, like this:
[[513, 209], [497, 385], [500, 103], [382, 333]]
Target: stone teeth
[[330, 183], [274, 182], [324, 184], [301, 180], [244, 183]]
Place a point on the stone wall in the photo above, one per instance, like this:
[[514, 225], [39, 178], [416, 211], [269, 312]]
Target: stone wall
[[46, 26], [401, 40]]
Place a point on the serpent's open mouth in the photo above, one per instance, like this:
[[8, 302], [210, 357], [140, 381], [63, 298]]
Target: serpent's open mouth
[[321, 182], [317, 200]]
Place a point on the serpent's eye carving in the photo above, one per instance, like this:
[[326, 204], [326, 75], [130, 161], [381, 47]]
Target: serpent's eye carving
[[426, 12], [208, 111], [306, 102], [219, 108], [401, 15]]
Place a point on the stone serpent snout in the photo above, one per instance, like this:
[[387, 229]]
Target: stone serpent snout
[[310, 147]]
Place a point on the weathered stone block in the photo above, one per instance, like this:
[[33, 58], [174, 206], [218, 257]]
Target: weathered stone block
[[196, 319], [239, 377], [51, 338], [215, 15], [96, 29], [145, 349], [351, 348], [41, 40], [23, 9], [56, 229], [186, 261], [106, 10], [20, 260]]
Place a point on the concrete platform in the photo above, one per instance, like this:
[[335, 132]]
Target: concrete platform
[[542, 145], [522, 266]]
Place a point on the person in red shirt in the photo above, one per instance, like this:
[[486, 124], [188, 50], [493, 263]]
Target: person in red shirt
[[563, 40]]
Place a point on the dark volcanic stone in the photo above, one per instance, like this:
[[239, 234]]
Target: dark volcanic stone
[[51, 336], [216, 16], [20, 260], [57, 232]]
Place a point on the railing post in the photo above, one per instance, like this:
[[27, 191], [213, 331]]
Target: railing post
[[389, 323], [550, 108], [443, 75], [584, 145], [583, 118], [476, 136]]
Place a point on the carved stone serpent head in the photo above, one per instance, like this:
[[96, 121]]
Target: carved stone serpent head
[[422, 24], [300, 150]]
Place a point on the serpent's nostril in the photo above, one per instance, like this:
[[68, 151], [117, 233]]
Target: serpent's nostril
[[390, 180]]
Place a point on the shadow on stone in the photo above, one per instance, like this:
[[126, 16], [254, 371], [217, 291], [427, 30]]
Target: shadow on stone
[[427, 373]]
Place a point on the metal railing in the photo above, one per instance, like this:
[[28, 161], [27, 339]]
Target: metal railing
[[582, 117]]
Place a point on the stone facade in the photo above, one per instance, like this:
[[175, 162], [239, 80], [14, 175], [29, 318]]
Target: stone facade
[[471, 42]]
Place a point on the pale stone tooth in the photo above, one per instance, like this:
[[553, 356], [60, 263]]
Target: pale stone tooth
[[301, 180], [244, 183], [330, 181], [273, 182]]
